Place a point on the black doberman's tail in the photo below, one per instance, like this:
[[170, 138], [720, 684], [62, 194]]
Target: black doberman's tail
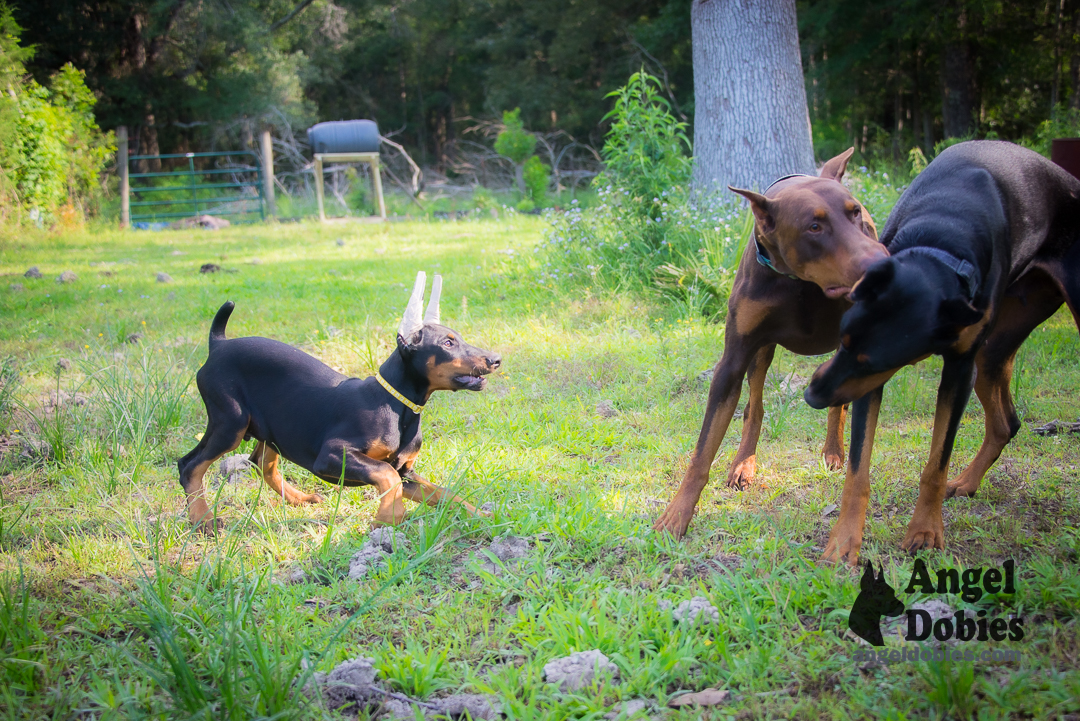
[[217, 328]]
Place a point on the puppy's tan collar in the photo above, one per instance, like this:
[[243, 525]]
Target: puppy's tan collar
[[394, 392]]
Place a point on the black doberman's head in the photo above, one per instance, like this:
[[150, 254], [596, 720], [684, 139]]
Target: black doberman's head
[[876, 599], [904, 309], [815, 229], [440, 355]]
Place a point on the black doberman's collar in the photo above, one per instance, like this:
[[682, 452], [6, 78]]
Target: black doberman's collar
[[762, 256], [964, 269]]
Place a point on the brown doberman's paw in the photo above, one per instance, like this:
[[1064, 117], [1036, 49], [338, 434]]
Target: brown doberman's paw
[[742, 475], [210, 526], [675, 520], [961, 489], [311, 498], [834, 461], [844, 545], [926, 530]]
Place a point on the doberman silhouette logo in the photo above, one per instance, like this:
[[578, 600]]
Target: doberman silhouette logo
[[876, 599]]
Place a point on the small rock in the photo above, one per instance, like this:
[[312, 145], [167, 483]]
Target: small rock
[[206, 222], [380, 543], [509, 549], [171, 296], [63, 364], [133, 338], [705, 376], [164, 278], [579, 670], [350, 683], [17, 287], [340, 242], [290, 576], [628, 709], [178, 252], [488, 507], [605, 409], [32, 273], [67, 277], [696, 610], [209, 268], [255, 261], [706, 697], [234, 468]]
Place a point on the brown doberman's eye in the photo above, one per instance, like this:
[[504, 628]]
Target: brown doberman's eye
[[815, 227]]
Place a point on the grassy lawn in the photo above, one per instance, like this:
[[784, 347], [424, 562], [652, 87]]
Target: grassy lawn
[[110, 607]]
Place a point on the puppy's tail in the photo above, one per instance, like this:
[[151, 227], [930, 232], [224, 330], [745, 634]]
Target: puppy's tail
[[217, 328]]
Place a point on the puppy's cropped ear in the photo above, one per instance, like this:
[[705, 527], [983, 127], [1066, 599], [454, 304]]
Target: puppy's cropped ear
[[877, 278], [834, 169], [958, 312], [407, 345], [759, 205]]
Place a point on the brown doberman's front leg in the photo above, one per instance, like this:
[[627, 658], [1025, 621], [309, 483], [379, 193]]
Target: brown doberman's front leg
[[833, 450], [744, 466], [845, 540], [418, 489], [723, 400], [265, 459], [927, 528]]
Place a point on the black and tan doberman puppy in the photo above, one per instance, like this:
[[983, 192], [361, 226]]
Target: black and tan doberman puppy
[[361, 431], [983, 248], [812, 242]]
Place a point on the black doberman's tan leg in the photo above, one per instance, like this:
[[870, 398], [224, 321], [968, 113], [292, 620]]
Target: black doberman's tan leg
[[265, 459], [723, 400], [337, 463], [845, 540], [1027, 303], [833, 450], [418, 489], [220, 438], [927, 527], [744, 466]]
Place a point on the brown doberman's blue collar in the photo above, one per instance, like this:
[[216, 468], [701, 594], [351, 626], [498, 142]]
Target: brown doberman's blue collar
[[762, 257]]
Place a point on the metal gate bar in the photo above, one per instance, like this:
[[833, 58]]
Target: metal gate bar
[[213, 205]]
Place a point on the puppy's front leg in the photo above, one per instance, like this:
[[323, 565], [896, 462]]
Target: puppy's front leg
[[417, 488], [336, 463]]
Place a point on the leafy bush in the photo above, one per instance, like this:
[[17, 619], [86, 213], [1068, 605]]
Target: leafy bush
[[648, 230], [536, 174], [1063, 123], [51, 149], [515, 142]]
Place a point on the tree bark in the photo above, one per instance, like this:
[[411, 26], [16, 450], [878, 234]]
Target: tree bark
[[751, 123], [958, 78]]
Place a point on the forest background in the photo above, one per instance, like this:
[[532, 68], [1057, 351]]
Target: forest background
[[886, 76]]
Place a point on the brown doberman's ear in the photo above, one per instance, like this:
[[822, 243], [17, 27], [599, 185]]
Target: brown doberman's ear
[[834, 169], [759, 204]]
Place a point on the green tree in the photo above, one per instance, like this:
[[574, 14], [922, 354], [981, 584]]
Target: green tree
[[516, 144]]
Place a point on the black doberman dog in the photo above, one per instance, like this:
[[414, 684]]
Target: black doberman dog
[[876, 599], [812, 242], [984, 247], [360, 432]]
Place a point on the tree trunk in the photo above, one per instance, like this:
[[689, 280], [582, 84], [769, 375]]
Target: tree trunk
[[958, 76], [751, 123]]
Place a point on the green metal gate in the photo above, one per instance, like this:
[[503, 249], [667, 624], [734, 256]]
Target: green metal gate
[[157, 198]]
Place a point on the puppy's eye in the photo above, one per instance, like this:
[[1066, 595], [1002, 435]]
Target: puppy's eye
[[815, 227], [448, 343]]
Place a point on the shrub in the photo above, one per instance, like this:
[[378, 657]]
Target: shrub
[[52, 153], [536, 174], [648, 230]]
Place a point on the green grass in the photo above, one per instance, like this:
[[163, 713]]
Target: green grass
[[111, 608]]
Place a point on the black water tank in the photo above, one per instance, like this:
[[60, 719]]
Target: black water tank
[[344, 136]]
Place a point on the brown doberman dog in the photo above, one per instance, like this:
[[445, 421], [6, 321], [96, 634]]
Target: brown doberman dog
[[812, 242], [985, 246], [343, 430]]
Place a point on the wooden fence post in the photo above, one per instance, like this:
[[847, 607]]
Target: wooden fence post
[[122, 166], [268, 173]]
